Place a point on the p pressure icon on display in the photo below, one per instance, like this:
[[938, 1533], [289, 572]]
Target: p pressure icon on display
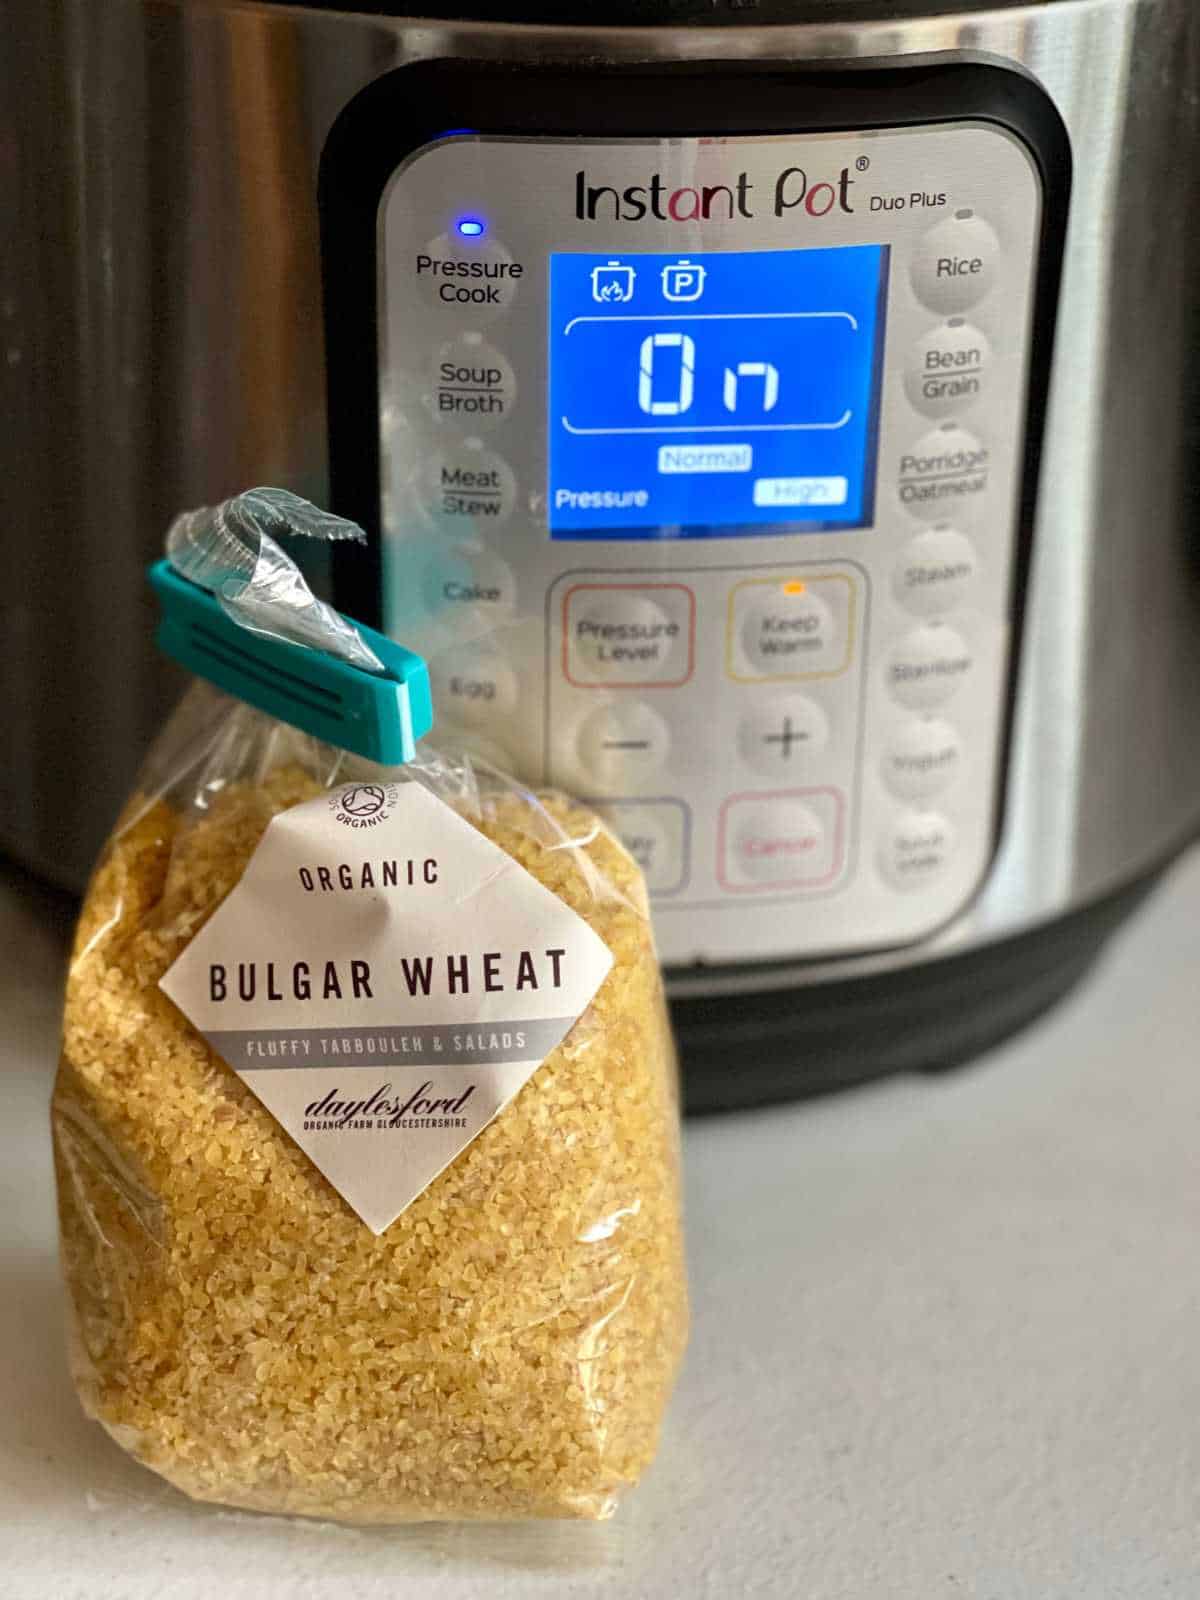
[[612, 284], [684, 280]]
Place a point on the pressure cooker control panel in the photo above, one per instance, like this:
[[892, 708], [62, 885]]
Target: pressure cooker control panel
[[700, 466]]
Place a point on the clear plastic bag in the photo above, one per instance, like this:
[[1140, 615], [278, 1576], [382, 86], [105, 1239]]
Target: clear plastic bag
[[505, 1349]]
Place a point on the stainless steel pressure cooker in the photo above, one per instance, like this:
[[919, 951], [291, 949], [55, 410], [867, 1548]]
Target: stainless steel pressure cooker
[[776, 422]]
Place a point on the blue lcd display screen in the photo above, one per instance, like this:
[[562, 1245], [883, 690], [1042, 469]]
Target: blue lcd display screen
[[715, 394]]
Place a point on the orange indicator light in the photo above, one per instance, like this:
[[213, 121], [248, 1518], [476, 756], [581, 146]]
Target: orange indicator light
[[793, 586]]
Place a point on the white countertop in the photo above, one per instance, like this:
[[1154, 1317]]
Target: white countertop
[[946, 1344]]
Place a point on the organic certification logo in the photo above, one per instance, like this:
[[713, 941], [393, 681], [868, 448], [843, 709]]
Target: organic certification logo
[[363, 805]]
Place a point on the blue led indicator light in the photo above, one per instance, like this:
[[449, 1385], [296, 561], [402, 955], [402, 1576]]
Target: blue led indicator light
[[471, 227]]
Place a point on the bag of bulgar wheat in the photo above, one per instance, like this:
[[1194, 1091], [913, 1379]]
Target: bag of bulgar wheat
[[366, 1124]]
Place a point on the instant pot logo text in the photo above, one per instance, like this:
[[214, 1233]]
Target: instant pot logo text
[[794, 191]]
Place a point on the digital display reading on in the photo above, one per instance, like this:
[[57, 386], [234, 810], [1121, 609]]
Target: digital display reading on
[[710, 395]]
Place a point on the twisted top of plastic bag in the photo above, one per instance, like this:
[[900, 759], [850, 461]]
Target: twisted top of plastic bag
[[230, 549]]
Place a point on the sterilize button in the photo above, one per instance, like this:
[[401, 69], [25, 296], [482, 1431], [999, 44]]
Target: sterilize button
[[949, 369], [955, 262], [945, 474], [473, 384], [469, 488], [928, 666], [623, 744], [789, 629], [935, 571], [915, 849], [783, 734], [922, 759]]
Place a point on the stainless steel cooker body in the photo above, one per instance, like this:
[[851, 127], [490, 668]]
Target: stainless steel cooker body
[[164, 319]]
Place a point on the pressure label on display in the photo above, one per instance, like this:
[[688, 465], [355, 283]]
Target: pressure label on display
[[674, 406]]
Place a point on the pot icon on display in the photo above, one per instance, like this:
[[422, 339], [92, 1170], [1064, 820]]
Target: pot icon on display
[[683, 280], [613, 283]]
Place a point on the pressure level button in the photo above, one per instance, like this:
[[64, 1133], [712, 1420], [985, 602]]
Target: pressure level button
[[955, 263]]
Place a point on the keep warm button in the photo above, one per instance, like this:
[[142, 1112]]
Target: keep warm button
[[787, 840]]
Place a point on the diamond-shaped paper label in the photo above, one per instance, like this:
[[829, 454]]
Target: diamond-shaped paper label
[[385, 979]]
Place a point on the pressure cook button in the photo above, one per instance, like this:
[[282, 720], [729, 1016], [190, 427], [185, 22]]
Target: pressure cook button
[[915, 850], [623, 744], [474, 385], [928, 666], [783, 734], [949, 369], [945, 473], [478, 280], [935, 570], [922, 759], [476, 581], [473, 687], [469, 488], [788, 629], [955, 262], [628, 635]]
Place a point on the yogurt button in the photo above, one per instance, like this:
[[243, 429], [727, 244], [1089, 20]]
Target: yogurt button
[[915, 849], [922, 758], [955, 263], [935, 571], [623, 744], [928, 666], [948, 369]]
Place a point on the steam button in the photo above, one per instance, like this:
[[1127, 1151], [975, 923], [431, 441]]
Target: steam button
[[934, 572], [955, 263]]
